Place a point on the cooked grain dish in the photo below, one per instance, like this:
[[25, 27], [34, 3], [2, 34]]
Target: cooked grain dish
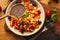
[[29, 21]]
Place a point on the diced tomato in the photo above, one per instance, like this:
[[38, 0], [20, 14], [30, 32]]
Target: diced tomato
[[19, 29], [26, 0], [12, 24], [17, 24], [38, 11], [37, 14], [32, 27], [30, 7]]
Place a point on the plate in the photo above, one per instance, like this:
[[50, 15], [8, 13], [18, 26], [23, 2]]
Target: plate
[[42, 19]]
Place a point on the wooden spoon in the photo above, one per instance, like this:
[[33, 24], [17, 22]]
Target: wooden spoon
[[17, 10]]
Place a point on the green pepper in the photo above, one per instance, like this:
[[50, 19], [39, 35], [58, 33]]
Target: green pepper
[[26, 15]]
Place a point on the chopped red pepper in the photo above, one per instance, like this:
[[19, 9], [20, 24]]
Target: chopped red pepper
[[37, 14]]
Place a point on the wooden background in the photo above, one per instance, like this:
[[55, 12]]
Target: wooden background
[[7, 35]]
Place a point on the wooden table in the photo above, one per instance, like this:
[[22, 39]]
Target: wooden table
[[7, 35]]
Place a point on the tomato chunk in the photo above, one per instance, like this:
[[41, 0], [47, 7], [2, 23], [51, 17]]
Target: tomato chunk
[[26, 0]]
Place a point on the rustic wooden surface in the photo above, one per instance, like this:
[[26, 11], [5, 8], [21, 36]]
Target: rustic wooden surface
[[6, 35], [50, 7], [4, 3]]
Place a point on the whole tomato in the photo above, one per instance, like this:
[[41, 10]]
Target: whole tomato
[[48, 13]]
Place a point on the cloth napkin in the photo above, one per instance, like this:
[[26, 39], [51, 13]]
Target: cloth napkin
[[46, 33]]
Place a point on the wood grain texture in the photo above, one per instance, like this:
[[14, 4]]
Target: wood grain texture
[[50, 7], [6, 35], [4, 3]]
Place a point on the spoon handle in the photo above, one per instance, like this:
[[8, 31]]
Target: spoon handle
[[3, 17], [6, 16]]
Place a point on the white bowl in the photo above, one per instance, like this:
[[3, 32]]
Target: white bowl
[[42, 18]]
